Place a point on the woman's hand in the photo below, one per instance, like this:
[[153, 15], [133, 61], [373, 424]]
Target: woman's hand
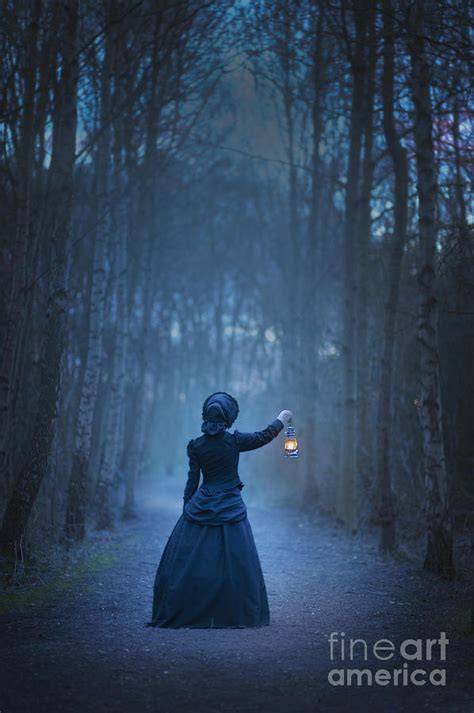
[[285, 417]]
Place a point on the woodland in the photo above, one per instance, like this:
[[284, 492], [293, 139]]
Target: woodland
[[268, 198]]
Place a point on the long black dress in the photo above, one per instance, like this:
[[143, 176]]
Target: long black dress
[[209, 574]]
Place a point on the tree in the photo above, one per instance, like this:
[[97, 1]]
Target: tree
[[398, 155], [439, 552], [77, 494], [57, 232], [346, 507]]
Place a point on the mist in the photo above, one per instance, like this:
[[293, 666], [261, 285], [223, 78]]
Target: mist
[[270, 199]]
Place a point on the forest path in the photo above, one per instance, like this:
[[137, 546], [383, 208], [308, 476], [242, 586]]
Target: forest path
[[90, 651]]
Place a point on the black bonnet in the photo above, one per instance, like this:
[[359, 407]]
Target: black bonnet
[[219, 412]]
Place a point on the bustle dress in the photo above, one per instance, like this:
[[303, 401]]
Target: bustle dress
[[209, 574]]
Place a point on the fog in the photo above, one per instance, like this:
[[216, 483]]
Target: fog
[[236, 198]]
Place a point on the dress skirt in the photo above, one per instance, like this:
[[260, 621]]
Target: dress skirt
[[209, 574]]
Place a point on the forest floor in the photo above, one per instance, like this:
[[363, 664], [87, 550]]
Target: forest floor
[[87, 648]]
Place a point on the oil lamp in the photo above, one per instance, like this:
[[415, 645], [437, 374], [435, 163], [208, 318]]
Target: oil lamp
[[291, 443]]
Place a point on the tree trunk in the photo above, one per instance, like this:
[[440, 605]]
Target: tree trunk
[[465, 251], [137, 439], [290, 265], [386, 512], [150, 172], [77, 494], [346, 501], [17, 302], [365, 460], [439, 552], [312, 326], [117, 387], [59, 225]]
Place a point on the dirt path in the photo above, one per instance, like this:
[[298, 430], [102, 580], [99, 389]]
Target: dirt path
[[90, 651]]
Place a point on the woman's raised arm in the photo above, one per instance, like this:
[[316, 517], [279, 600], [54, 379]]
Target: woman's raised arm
[[257, 439]]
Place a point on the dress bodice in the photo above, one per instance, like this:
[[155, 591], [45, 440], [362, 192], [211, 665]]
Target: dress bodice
[[217, 457]]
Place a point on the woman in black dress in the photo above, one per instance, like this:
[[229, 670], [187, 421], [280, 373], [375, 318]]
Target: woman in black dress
[[209, 573]]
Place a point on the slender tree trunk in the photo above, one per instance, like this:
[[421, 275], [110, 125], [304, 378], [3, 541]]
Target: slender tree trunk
[[346, 501], [465, 251], [219, 327], [117, 390], [291, 259], [312, 326], [230, 358], [365, 460], [17, 303], [439, 552], [114, 417], [137, 439], [77, 494], [59, 226], [150, 172], [399, 158]]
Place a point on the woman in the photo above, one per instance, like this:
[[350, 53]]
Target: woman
[[209, 573]]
